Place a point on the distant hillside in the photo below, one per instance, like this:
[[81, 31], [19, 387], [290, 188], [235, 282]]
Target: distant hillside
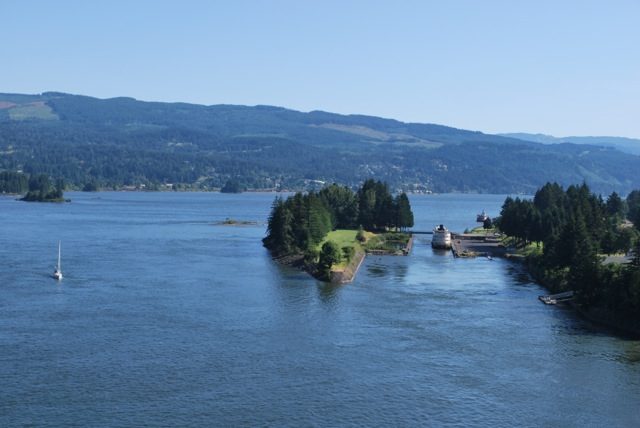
[[124, 142], [627, 145]]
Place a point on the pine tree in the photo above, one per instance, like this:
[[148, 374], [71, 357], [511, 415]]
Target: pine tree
[[404, 213], [584, 263], [329, 255], [616, 207], [279, 239]]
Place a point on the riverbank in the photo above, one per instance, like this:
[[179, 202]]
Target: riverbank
[[348, 273], [597, 315], [602, 317], [481, 244]]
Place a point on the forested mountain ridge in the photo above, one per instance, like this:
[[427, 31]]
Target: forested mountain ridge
[[122, 141], [627, 145]]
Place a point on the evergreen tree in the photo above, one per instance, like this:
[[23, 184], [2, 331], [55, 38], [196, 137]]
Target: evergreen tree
[[367, 205], [279, 239], [616, 206], [13, 182], [403, 212], [342, 203], [633, 207], [319, 219], [329, 255], [300, 222], [584, 263]]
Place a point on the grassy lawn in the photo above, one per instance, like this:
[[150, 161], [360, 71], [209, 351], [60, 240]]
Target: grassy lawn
[[347, 238], [480, 230], [341, 237], [527, 250], [344, 238], [389, 241]]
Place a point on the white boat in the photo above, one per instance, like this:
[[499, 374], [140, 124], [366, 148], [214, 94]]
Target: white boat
[[57, 273], [482, 217], [441, 238]]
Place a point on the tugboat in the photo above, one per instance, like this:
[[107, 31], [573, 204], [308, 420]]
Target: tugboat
[[441, 238], [482, 217]]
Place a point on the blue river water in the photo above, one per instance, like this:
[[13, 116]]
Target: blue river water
[[165, 318]]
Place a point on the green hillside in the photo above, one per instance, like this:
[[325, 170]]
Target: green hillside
[[122, 141]]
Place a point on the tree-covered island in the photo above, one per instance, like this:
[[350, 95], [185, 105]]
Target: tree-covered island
[[569, 237], [34, 187], [232, 186], [328, 232]]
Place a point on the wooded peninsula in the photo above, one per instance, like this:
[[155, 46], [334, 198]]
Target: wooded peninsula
[[329, 229]]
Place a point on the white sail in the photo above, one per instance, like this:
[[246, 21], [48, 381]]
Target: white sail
[[57, 273]]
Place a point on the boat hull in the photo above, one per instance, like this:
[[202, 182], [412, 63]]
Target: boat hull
[[441, 246], [441, 238]]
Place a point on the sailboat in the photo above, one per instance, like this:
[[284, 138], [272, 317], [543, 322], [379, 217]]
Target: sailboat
[[57, 273]]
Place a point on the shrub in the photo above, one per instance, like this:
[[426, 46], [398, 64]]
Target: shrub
[[348, 252]]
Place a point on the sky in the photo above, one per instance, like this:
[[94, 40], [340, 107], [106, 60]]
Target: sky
[[555, 67]]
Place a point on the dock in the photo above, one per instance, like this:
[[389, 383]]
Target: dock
[[475, 245], [554, 299]]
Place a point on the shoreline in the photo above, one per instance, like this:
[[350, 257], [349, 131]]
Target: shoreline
[[348, 274], [475, 245], [596, 315]]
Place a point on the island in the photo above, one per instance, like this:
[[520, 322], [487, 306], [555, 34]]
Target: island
[[328, 233], [41, 189], [232, 186]]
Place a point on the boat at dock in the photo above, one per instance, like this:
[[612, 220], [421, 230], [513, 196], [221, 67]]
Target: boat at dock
[[441, 238], [482, 217], [554, 299]]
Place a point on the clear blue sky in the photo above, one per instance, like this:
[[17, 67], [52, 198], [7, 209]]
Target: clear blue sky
[[564, 67]]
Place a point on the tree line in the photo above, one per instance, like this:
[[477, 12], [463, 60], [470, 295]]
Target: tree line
[[13, 182], [299, 223], [575, 228]]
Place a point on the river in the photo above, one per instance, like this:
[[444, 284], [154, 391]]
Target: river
[[165, 318]]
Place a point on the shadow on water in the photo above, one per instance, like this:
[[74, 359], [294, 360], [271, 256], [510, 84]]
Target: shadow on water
[[517, 273], [632, 353], [400, 271], [440, 252], [376, 269], [328, 293]]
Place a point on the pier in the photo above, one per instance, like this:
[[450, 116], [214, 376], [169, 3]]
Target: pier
[[474, 245], [553, 299]]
